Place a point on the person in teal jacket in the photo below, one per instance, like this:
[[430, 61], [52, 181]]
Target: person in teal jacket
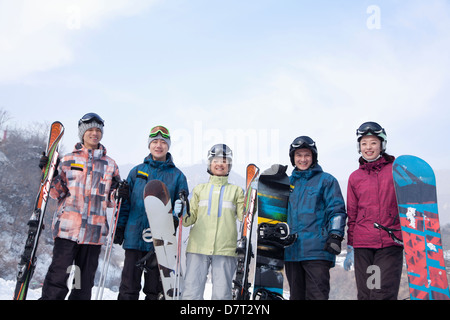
[[316, 212], [214, 208], [133, 223]]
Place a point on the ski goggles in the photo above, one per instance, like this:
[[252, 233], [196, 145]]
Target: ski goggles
[[303, 142], [90, 117], [160, 130], [370, 128], [220, 150]]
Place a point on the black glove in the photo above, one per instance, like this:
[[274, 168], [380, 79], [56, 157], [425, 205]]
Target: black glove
[[43, 161], [119, 235], [176, 222], [333, 244], [123, 191]]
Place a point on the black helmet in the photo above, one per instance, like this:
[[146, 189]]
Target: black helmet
[[371, 128], [303, 142]]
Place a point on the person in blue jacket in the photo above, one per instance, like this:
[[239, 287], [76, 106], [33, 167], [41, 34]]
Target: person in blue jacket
[[133, 226], [316, 212]]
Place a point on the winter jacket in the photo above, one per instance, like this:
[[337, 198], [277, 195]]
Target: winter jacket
[[83, 189], [371, 198], [214, 208], [132, 213], [316, 209]]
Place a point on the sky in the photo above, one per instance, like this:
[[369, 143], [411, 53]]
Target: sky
[[253, 74]]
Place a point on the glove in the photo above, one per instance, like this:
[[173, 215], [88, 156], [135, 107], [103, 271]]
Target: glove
[[333, 244], [178, 206], [176, 222], [123, 191], [119, 235], [43, 161], [349, 258]]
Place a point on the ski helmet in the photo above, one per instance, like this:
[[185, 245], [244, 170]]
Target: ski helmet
[[371, 128], [303, 142], [221, 151], [88, 121]]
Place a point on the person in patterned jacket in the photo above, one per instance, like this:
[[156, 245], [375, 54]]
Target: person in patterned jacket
[[84, 187]]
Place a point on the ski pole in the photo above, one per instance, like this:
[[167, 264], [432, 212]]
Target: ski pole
[[108, 250], [178, 275]]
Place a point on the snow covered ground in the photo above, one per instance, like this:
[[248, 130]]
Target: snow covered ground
[[7, 291], [7, 288]]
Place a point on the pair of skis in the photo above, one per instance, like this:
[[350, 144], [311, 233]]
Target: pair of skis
[[27, 262], [244, 248]]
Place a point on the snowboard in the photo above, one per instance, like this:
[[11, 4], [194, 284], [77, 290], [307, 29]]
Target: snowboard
[[158, 207], [272, 201], [415, 187], [244, 250]]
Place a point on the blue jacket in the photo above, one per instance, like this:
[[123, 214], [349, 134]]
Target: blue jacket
[[316, 209], [132, 213]]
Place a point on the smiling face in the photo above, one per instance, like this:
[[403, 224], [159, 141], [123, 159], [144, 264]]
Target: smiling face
[[91, 138], [159, 149], [219, 166], [303, 159], [370, 147]]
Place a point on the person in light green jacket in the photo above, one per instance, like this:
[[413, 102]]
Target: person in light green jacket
[[214, 208]]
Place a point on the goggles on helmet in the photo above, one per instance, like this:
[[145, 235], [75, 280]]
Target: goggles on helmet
[[371, 128], [303, 142], [220, 150], [159, 130], [90, 117]]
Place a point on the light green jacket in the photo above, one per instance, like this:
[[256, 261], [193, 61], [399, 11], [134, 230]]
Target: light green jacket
[[214, 208]]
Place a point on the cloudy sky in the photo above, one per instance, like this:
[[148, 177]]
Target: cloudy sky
[[253, 74]]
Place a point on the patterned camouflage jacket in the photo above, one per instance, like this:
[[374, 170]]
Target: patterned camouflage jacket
[[83, 189]]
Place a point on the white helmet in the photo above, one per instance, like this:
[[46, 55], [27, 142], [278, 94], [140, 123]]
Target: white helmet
[[221, 151]]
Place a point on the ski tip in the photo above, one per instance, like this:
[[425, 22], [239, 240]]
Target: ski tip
[[57, 125]]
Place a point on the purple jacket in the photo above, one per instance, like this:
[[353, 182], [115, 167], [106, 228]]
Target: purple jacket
[[371, 198]]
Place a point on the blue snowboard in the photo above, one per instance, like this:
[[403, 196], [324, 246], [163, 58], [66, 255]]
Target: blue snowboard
[[415, 187]]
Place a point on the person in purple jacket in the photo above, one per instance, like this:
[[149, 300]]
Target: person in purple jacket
[[371, 199]]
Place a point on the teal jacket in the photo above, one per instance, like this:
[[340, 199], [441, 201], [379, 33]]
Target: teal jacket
[[132, 213], [316, 209]]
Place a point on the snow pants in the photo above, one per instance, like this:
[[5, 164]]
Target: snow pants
[[65, 254], [308, 280], [378, 272], [130, 284], [222, 272]]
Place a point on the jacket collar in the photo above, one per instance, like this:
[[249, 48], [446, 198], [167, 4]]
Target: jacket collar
[[375, 166], [218, 180], [162, 164], [306, 174], [97, 153]]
